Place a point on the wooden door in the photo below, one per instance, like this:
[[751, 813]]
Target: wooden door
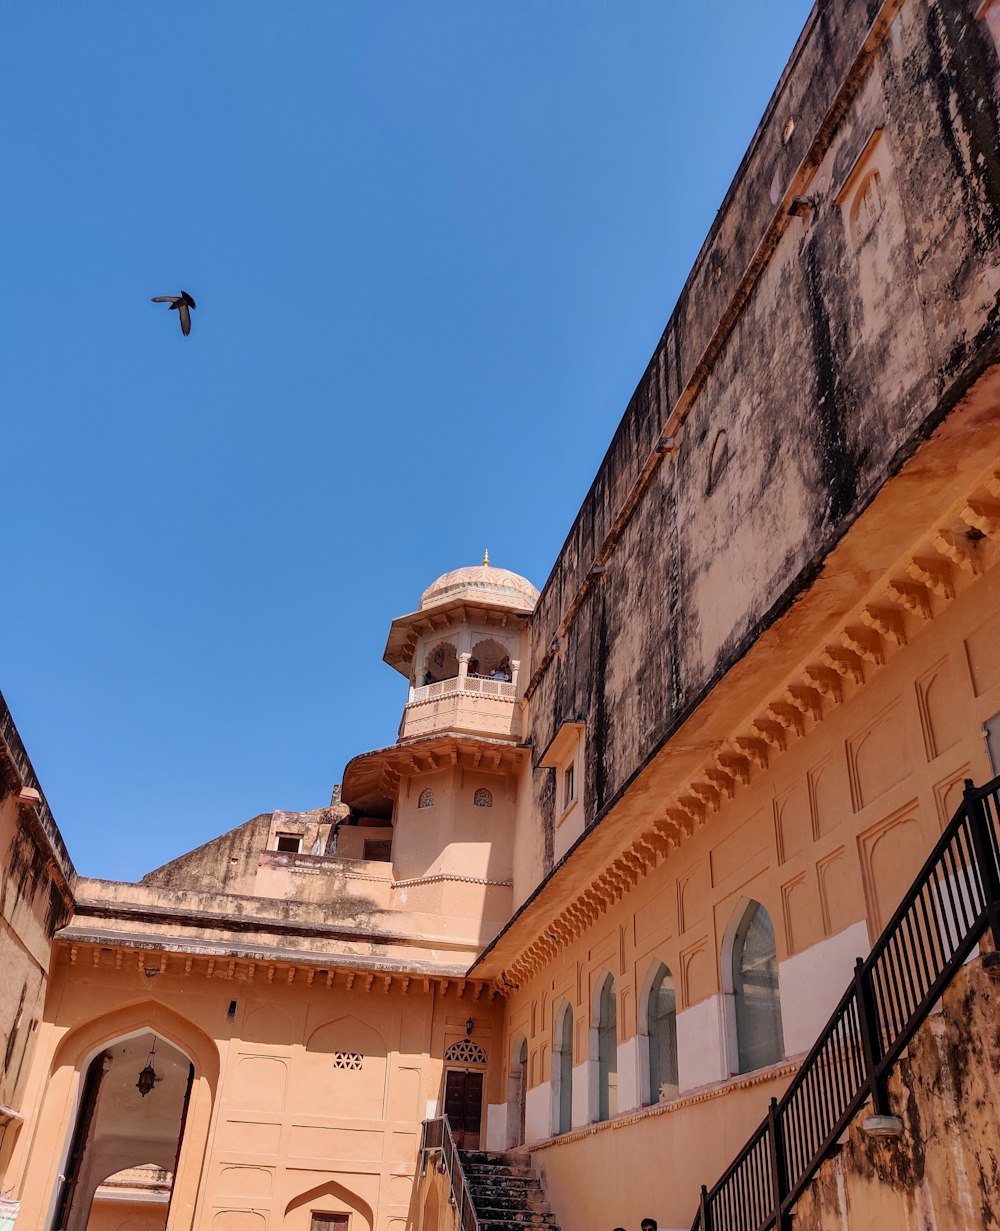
[[463, 1105]]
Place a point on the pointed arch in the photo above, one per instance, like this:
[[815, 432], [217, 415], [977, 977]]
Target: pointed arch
[[657, 1025], [517, 1090], [441, 663], [718, 461], [491, 655], [603, 1059], [61, 1101], [562, 1069], [329, 1197], [750, 983]]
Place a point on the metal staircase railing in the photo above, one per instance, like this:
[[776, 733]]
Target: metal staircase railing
[[437, 1136], [952, 903]]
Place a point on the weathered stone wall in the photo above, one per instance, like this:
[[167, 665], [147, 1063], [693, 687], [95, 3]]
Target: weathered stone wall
[[943, 1174], [825, 350]]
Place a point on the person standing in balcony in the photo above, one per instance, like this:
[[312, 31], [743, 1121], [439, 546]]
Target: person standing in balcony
[[474, 667]]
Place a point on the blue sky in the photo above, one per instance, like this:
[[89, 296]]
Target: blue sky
[[433, 246]]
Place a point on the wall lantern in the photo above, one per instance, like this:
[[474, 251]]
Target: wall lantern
[[468, 1026], [147, 1077]]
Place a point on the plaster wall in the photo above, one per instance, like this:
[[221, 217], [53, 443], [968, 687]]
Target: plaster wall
[[279, 1121], [452, 833], [125, 1215], [812, 983], [828, 837]]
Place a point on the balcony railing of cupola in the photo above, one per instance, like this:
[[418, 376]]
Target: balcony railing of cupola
[[438, 1143], [465, 685], [953, 903]]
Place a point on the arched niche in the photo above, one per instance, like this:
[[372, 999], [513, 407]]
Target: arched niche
[[517, 1090], [329, 1197], [431, 1215], [562, 1068], [657, 1026], [718, 461], [603, 1058], [344, 1067]]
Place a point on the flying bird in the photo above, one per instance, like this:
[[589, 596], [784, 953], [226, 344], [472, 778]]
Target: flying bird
[[182, 305]]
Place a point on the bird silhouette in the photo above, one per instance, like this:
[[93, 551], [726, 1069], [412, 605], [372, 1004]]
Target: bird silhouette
[[182, 305]]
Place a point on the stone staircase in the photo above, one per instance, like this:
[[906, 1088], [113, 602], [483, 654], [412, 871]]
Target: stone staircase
[[506, 1192]]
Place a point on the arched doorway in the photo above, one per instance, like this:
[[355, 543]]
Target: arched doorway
[[126, 1136], [464, 1076]]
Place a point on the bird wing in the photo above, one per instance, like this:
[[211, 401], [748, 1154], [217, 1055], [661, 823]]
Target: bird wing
[[188, 299], [164, 299], [185, 316]]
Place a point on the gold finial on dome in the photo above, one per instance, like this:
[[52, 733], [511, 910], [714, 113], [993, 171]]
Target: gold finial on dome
[[486, 558]]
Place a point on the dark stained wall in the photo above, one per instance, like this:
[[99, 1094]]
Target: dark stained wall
[[36, 888], [824, 351]]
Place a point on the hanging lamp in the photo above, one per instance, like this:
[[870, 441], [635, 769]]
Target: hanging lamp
[[148, 1076]]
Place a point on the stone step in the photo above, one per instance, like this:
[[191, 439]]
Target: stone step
[[516, 1205], [488, 1224], [478, 1157], [477, 1170], [494, 1194], [523, 1218], [489, 1179]]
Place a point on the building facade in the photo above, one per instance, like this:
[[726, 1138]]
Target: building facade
[[600, 896]]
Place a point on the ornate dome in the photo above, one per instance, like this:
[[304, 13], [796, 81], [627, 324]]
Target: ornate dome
[[485, 583]]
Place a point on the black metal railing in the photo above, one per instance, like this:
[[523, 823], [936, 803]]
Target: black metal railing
[[950, 906], [437, 1139]]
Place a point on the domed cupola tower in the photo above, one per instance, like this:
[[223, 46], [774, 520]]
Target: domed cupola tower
[[464, 653], [450, 783]]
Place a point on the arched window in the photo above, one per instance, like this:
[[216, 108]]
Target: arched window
[[483, 798], [607, 1052], [465, 1052], [755, 990], [442, 664], [426, 799], [562, 1073], [491, 659], [661, 1023]]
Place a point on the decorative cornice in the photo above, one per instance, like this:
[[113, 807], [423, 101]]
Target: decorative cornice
[[448, 876], [912, 592], [329, 970]]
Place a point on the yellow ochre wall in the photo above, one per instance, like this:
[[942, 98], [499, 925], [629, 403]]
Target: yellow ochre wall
[[274, 1128], [828, 839]]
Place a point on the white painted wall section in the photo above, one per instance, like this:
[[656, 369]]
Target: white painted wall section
[[581, 1095], [813, 981], [496, 1126], [700, 1048], [537, 1111], [628, 1075]]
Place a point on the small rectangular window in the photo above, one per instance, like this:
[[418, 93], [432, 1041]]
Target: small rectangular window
[[290, 842], [329, 1222], [569, 787], [379, 849]]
